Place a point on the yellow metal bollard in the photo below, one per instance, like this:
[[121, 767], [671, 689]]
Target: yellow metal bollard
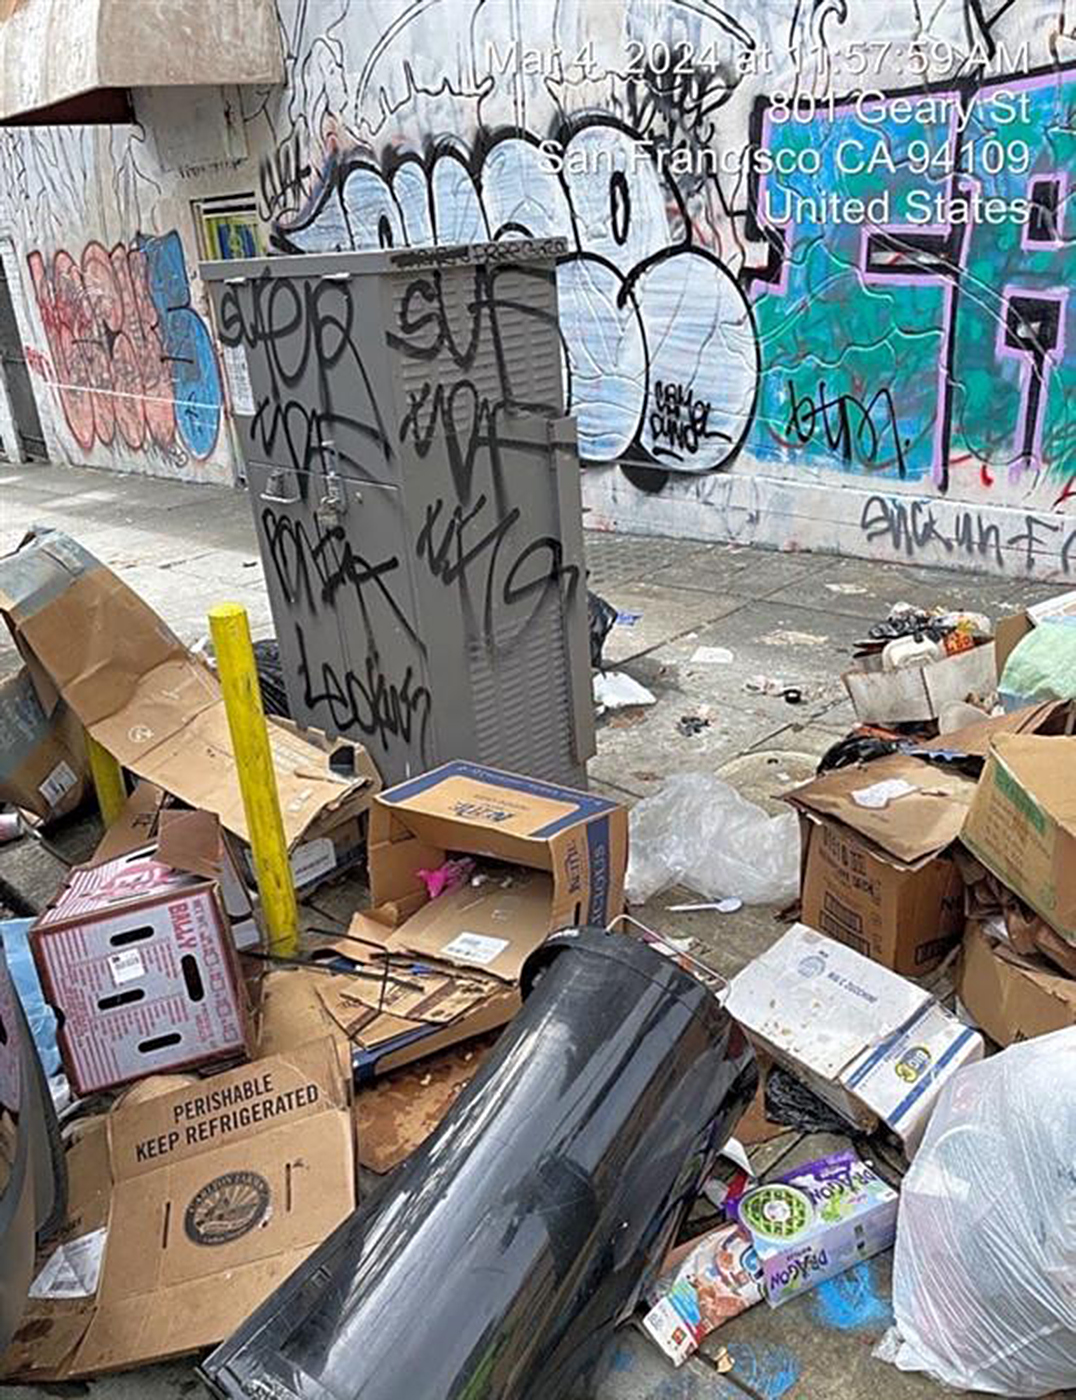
[[257, 777], [107, 780]]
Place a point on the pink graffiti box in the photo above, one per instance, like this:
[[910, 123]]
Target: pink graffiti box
[[138, 961]]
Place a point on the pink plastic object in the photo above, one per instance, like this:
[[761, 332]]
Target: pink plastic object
[[447, 877]]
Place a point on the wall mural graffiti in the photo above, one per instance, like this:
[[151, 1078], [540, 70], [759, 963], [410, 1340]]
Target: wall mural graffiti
[[132, 363], [716, 312]]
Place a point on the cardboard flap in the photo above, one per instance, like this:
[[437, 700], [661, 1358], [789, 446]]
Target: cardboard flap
[[191, 841], [1045, 767], [1051, 717], [167, 1130], [910, 827], [490, 929], [146, 698]]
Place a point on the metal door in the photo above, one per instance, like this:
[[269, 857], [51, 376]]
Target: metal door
[[17, 377], [341, 595]]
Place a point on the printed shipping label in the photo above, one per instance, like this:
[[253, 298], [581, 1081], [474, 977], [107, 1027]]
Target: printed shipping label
[[58, 784], [475, 948], [73, 1270]]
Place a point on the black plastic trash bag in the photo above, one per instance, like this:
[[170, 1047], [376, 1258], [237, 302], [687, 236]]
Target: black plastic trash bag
[[600, 616], [498, 1260]]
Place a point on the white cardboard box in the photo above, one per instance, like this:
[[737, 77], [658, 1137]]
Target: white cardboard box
[[919, 693], [868, 1042]]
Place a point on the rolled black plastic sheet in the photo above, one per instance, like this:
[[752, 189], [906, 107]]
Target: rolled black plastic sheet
[[496, 1262]]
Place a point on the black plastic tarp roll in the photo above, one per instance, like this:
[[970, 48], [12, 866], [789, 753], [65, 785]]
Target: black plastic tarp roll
[[496, 1262]]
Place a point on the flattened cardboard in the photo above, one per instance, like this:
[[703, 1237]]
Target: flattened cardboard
[[880, 880], [836, 1020], [397, 1113], [1022, 823], [89, 638], [43, 764], [258, 1163], [919, 693], [1012, 997]]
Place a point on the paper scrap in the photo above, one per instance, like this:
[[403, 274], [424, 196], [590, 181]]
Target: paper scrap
[[879, 795], [712, 656], [615, 690], [627, 619], [237, 373], [72, 1270]]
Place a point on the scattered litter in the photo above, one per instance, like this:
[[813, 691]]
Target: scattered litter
[[771, 685], [784, 637], [723, 906], [72, 1270], [448, 876], [817, 1220], [846, 588], [692, 725], [699, 832], [615, 690], [712, 656], [983, 1282], [628, 619], [706, 1282]]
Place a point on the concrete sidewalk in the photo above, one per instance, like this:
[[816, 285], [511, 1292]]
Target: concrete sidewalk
[[790, 616]]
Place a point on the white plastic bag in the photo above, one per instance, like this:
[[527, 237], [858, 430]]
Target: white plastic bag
[[699, 831], [984, 1275]]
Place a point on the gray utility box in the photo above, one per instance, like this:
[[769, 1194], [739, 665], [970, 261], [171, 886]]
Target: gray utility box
[[415, 485]]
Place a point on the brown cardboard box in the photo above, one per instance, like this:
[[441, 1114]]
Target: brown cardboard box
[[426, 974], [1022, 823], [881, 880], [258, 1164], [88, 638], [43, 764], [1012, 997]]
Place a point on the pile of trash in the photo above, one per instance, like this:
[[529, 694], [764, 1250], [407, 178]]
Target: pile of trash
[[552, 1092]]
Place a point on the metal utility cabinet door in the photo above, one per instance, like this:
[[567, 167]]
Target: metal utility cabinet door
[[415, 485]]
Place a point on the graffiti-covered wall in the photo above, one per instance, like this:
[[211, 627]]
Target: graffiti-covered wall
[[817, 287], [99, 249], [817, 292]]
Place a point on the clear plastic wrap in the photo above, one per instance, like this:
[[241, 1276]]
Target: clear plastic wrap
[[984, 1275], [699, 831]]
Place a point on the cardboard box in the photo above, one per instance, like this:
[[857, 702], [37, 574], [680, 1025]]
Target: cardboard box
[[1012, 997], [426, 974], [86, 637], [816, 1221], [882, 879], [136, 955], [208, 1196], [43, 764], [919, 693], [847, 1027], [1022, 823]]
